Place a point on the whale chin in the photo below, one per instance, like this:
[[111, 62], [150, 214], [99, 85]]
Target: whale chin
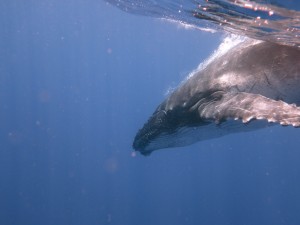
[[188, 135], [165, 129], [178, 138]]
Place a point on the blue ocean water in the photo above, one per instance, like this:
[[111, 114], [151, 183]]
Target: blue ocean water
[[77, 80]]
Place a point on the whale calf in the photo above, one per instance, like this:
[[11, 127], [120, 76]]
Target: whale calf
[[253, 85]]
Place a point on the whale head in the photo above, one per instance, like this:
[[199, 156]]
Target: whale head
[[168, 128], [252, 86]]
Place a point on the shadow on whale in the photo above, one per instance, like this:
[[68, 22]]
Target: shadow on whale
[[253, 85]]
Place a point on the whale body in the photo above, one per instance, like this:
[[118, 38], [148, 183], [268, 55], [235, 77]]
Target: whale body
[[253, 85]]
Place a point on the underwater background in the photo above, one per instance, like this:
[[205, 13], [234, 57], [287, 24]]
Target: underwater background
[[77, 80]]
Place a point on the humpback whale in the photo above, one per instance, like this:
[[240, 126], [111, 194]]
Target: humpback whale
[[253, 85]]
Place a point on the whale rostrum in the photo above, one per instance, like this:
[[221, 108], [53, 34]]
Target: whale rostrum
[[253, 85]]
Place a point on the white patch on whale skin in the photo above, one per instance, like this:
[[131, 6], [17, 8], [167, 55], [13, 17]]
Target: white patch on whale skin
[[226, 80], [169, 91], [230, 41]]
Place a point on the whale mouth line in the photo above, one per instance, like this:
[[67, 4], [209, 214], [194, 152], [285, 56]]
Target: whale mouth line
[[188, 135], [179, 137]]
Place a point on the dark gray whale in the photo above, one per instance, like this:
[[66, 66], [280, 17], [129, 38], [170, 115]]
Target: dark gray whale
[[253, 85]]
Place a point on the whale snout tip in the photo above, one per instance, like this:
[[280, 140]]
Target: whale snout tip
[[138, 146], [145, 140]]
